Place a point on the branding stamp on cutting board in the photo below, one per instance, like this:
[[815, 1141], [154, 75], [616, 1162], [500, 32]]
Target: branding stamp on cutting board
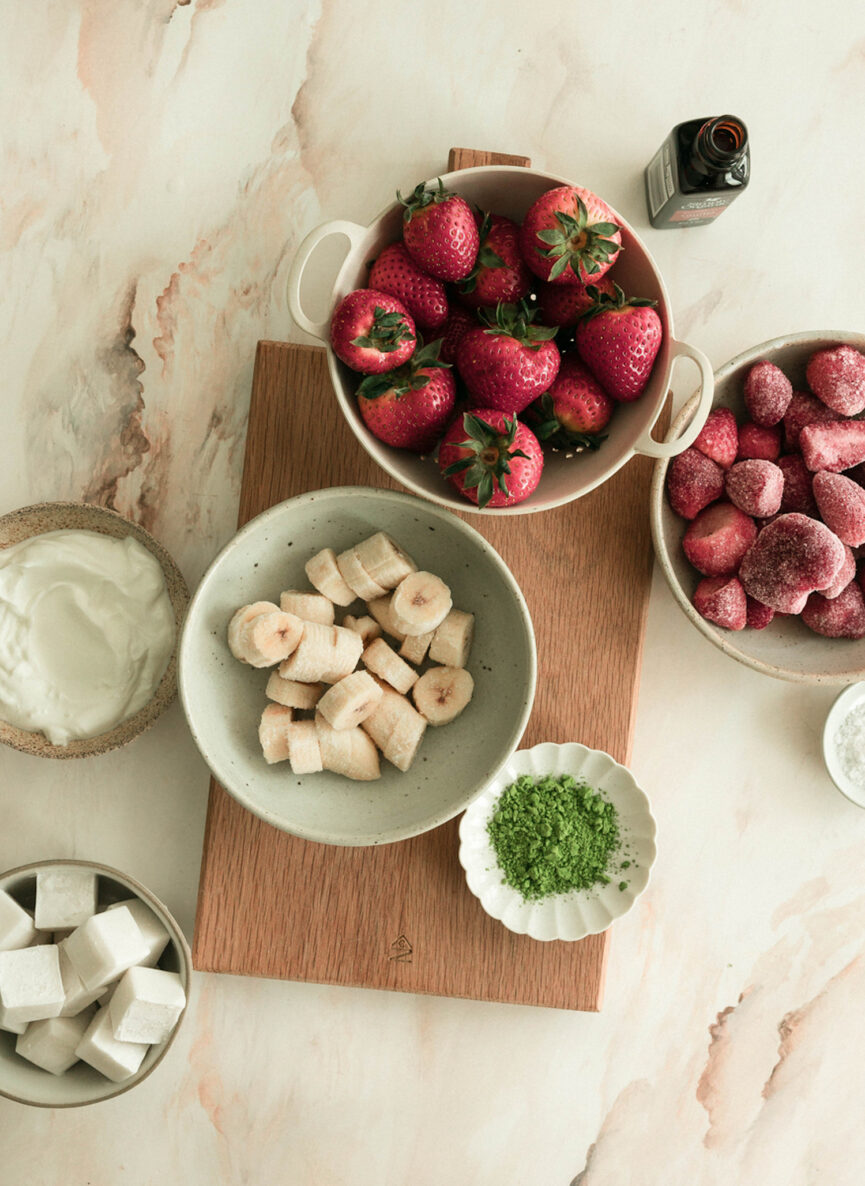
[[401, 950]]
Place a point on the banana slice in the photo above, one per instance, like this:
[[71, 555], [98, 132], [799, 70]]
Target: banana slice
[[304, 752], [273, 732], [453, 639], [382, 721], [380, 610], [420, 603], [384, 662], [415, 646], [356, 577], [384, 560], [245, 614], [406, 736], [350, 701], [347, 751], [326, 653], [366, 627], [324, 575], [291, 693], [269, 638], [309, 607], [442, 693]]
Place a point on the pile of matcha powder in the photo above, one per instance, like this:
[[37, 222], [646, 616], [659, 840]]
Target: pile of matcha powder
[[553, 834]]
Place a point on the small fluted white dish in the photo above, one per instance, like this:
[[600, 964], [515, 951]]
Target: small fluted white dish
[[573, 915], [849, 700]]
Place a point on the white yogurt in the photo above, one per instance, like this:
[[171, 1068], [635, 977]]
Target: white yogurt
[[86, 632]]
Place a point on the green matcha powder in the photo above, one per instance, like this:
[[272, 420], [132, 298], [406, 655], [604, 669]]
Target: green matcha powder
[[551, 835]]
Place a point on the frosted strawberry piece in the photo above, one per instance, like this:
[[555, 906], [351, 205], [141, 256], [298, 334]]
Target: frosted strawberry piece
[[798, 494], [793, 556], [758, 615], [804, 409], [842, 507], [846, 573], [835, 446], [842, 617], [755, 487], [768, 392], [718, 538], [757, 443], [722, 600], [719, 437], [837, 377], [693, 481]]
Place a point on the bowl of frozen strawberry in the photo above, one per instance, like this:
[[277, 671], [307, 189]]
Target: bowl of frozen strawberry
[[499, 339], [759, 526]]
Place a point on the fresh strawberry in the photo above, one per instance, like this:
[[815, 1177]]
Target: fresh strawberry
[[719, 437], [440, 232], [499, 274], [396, 273], [575, 410], [507, 362], [410, 408], [372, 332], [618, 341], [491, 458], [459, 322], [570, 236], [564, 304]]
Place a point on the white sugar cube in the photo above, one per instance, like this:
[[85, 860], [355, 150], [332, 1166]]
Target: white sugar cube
[[154, 932], [146, 1005], [115, 1060], [30, 983], [64, 897], [51, 1044], [77, 996], [12, 1027], [104, 946], [16, 925]]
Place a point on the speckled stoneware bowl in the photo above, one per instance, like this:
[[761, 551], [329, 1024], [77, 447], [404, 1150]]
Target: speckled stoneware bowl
[[76, 516], [786, 649], [574, 915], [223, 699], [26, 1083]]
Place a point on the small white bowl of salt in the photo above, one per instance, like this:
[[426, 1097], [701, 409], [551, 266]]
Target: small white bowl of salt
[[844, 743]]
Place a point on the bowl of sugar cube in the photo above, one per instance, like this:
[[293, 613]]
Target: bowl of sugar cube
[[94, 983]]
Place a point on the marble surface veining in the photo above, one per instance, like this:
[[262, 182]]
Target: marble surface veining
[[161, 163]]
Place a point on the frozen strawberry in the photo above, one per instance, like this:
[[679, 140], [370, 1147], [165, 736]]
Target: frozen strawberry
[[459, 322], [693, 481], [768, 392], [759, 615], [755, 487], [396, 273], [798, 495], [793, 556], [845, 575], [837, 377], [804, 409], [758, 443], [719, 437], [842, 507], [564, 304], [718, 538], [499, 273], [722, 600], [440, 232], [835, 446], [840, 617], [372, 332]]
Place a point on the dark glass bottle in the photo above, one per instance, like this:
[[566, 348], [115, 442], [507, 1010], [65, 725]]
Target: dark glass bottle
[[702, 166]]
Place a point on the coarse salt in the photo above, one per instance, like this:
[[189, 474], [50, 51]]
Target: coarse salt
[[850, 744]]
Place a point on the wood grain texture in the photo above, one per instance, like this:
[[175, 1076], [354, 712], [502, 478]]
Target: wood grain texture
[[470, 158], [400, 916]]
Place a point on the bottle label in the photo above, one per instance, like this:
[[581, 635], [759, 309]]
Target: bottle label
[[696, 212], [659, 177]]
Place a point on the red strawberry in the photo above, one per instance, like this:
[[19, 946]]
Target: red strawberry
[[410, 408], [396, 273], [459, 322], [575, 410], [619, 341], [719, 437], [693, 482], [372, 332], [499, 274], [491, 458], [508, 361], [757, 443], [440, 232], [722, 600], [564, 304], [570, 236]]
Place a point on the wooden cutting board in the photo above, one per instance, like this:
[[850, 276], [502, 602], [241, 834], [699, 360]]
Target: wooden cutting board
[[400, 916]]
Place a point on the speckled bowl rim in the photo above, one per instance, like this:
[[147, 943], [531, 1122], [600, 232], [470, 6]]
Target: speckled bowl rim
[[842, 704], [184, 959], [43, 517]]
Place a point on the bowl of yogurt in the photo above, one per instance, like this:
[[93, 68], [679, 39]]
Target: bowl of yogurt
[[90, 611]]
